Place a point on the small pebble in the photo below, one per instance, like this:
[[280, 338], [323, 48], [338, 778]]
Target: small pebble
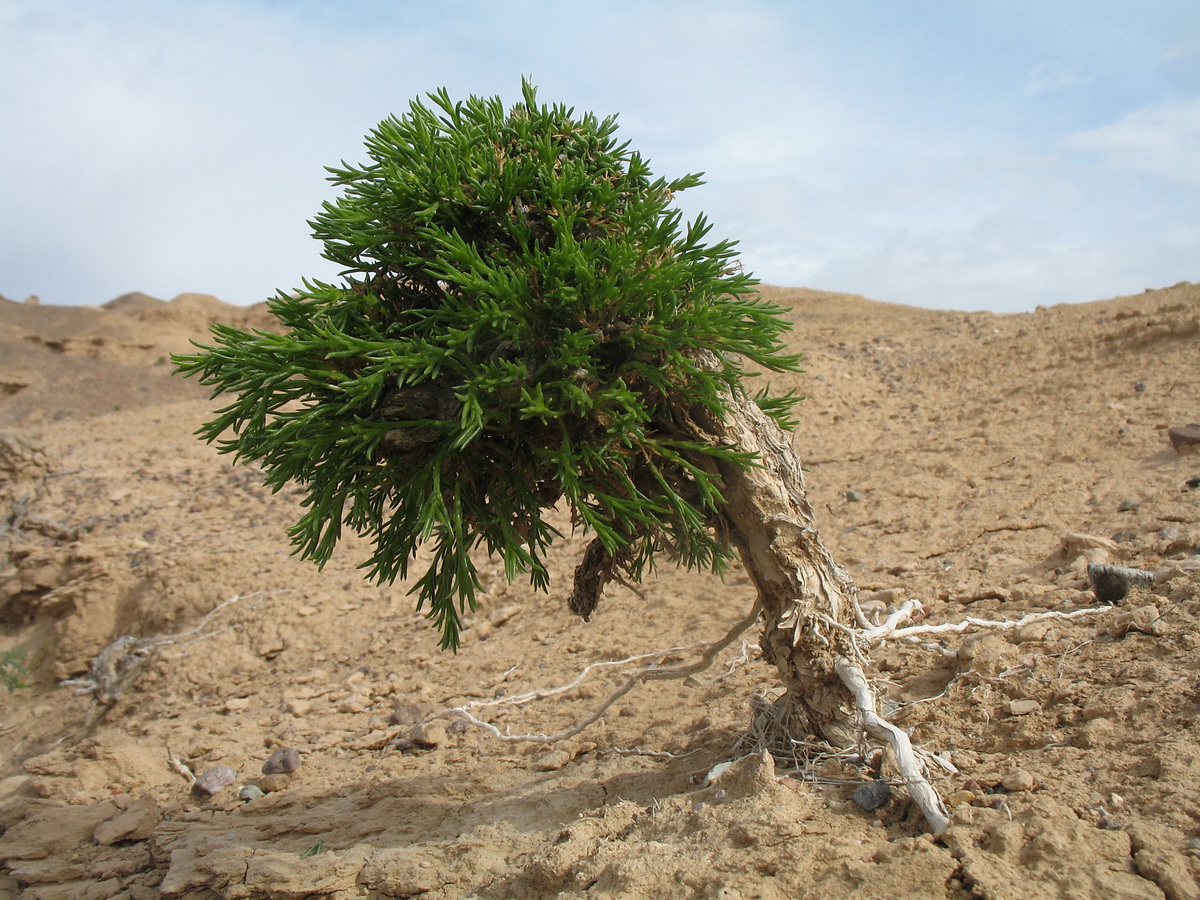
[[269, 784], [283, 761], [1022, 707], [429, 735], [1129, 504], [960, 797], [552, 761], [1018, 780], [250, 792], [872, 795], [1185, 438], [1112, 583], [854, 496], [458, 726], [213, 780]]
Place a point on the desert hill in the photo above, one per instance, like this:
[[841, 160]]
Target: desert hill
[[977, 462], [65, 360]]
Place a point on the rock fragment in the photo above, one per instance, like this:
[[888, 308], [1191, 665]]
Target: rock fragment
[[215, 779], [269, 784], [284, 761], [1018, 780], [1185, 438], [136, 823], [1112, 583], [872, 795]]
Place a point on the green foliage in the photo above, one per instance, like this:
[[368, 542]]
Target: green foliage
[[518, 323], [12, 669]]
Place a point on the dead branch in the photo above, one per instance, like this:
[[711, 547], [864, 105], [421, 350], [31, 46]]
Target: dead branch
[[116, 665]]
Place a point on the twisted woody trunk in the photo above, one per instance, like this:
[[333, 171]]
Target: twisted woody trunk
[[810, 611], [802, 590]]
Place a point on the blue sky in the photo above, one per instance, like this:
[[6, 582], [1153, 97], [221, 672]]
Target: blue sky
[[964, 155]]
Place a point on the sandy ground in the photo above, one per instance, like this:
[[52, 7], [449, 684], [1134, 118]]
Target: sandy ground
[[976, 462]]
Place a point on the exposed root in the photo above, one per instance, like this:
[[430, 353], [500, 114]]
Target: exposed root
[[115, 667], [768, 730], [893, 628], [646, 673], [911, 770], [800, 758]]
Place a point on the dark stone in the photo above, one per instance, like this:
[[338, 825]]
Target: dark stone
[[1112, 583], [283, 761], [1185, 437], [872, 795]]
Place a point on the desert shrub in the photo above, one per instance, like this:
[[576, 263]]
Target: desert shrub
[[12, 669], [522, 318]]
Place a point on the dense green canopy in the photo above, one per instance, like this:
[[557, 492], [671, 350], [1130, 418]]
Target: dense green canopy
[[519, 321]]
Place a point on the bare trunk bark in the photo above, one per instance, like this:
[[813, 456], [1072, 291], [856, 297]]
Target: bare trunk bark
[[805, 594], [810, 604]]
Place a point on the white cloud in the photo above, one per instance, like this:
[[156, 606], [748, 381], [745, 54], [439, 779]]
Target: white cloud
[[1161, 140]]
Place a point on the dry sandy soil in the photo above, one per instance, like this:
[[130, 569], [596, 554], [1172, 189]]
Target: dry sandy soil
[[977, 462]]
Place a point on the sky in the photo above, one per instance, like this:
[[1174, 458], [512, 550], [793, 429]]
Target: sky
[[987, 155]]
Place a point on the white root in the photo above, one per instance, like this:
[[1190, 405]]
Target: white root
[[911, 769], [890, 628], [646, 673]]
